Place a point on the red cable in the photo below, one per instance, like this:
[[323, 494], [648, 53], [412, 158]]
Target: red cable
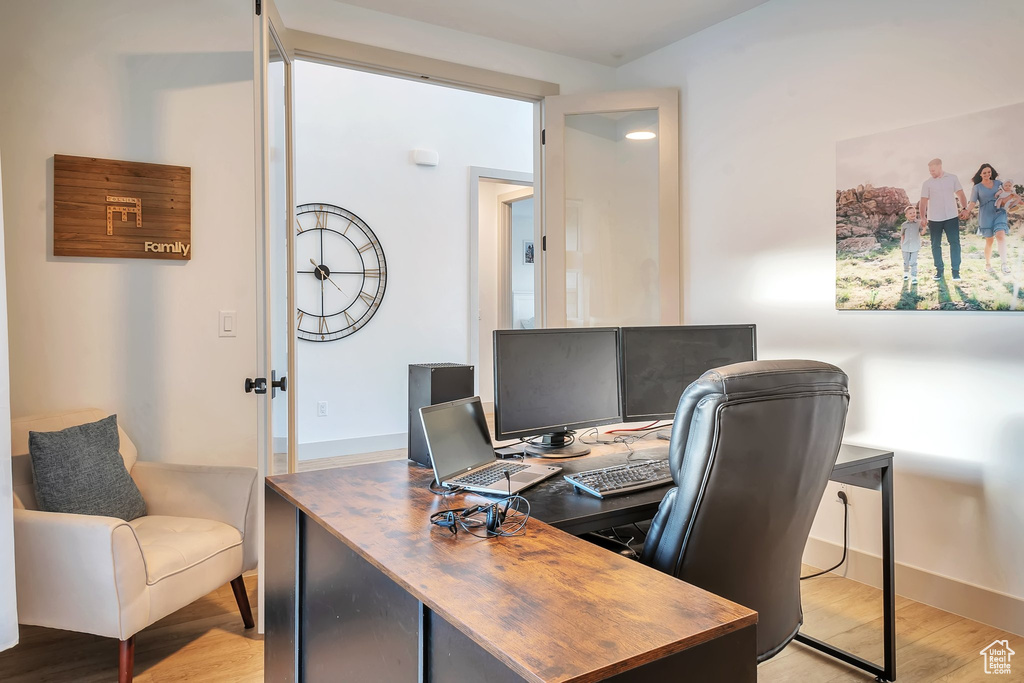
[[633, 429]]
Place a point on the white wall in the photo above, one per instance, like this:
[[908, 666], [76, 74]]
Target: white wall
[[354, 134], [336, 19], [765, 97], [143, 81], [8, 593]]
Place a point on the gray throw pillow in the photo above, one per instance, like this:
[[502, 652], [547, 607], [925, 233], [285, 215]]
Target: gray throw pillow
[[80, 470]]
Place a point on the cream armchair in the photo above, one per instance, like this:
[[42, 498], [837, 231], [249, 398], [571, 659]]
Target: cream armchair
[[113, 578]]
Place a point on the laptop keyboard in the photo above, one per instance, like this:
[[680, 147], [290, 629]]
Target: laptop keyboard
[[488, 475]]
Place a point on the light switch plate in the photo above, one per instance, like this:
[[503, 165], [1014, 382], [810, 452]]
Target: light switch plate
[[228, 324]]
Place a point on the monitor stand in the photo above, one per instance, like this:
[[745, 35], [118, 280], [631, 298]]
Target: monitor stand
[[555, 445], [665, 434]]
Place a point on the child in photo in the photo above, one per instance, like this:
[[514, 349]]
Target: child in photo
[[1008, 199], [910, 243]]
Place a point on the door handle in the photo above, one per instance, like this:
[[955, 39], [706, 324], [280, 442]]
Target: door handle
[[259, 385], [276, 384]]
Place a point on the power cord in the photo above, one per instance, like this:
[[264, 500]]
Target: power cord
[[846, 537], [442, 491]]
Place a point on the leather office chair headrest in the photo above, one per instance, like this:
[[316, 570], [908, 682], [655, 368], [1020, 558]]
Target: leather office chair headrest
[[748, 380]]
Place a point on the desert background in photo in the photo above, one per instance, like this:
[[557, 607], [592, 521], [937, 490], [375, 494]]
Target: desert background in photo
[[878, 176]]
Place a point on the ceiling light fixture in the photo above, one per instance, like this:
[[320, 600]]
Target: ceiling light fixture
[[640, 135]]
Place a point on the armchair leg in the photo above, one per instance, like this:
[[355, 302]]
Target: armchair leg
[[126, 660], [242, 598]]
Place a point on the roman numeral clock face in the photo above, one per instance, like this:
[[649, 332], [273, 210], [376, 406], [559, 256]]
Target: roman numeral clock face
[[341, 272]]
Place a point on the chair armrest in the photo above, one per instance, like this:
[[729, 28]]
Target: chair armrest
[[79, 572], [224, 494]]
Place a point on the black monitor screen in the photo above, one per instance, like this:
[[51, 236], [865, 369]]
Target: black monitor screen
[[658, 363], [551, 380]]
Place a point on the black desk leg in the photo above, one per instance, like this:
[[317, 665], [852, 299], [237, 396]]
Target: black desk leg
[[888, 578], [888, 671]]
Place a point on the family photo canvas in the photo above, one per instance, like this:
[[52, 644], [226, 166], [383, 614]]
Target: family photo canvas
[[931, 217]]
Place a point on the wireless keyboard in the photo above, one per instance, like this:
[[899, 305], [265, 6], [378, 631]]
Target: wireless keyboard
[[610, 481]]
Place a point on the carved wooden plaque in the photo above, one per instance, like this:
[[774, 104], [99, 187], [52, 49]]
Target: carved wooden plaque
[[121, 209]]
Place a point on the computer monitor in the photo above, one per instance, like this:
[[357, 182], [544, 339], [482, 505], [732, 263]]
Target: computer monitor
[[549, 382], [658, 363]]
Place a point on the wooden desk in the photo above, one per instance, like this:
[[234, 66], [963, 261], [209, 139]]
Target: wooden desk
[[360, 587]]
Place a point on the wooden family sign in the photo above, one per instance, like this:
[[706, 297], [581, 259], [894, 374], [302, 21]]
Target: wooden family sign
[[121, 209]]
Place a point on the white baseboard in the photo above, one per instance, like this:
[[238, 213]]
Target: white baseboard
[[364, 444], [968, 600], [338, 447]]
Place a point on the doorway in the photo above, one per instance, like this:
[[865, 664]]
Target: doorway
[[390, 155], [503, 254]]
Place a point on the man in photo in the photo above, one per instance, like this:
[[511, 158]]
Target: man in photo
[[939, 212]]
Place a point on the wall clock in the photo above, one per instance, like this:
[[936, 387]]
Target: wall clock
[[341, 272]]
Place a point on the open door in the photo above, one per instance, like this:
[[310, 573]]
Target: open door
[[275, 274], [611, 209]]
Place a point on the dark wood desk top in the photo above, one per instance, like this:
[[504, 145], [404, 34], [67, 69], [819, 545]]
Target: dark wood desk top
[[557, 502], [550, 606]]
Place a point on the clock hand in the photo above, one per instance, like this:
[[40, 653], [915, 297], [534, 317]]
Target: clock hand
[[327, 277]]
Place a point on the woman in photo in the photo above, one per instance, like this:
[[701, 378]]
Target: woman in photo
[[992, 221]]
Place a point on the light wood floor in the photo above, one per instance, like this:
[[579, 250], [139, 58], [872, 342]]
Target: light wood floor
[[931, 645], [205, 643], [202, 643]]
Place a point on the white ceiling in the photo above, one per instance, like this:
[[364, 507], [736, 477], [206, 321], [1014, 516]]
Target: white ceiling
[[610, 32]]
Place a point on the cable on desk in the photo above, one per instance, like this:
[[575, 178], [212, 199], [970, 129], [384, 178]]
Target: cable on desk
[[442, 491], [654, 425], [625, 439], [846, 537], [597, 440], [532, 440]]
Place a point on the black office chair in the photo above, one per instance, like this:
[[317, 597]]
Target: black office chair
[[752, 447]]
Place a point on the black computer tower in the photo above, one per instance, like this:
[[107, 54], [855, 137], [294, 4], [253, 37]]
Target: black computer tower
[[430, 384]]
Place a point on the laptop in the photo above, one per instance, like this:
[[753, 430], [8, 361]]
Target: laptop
[[462, 454]]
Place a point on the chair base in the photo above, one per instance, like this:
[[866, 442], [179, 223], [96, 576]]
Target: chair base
[[242, 598]]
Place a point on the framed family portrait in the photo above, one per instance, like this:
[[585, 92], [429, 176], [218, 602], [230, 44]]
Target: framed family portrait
[[931, 217]]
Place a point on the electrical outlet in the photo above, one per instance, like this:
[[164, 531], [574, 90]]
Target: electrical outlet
[[846, 492], [321, 408]]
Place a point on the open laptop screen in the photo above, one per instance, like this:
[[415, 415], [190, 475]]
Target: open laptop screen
[[457, 437]]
